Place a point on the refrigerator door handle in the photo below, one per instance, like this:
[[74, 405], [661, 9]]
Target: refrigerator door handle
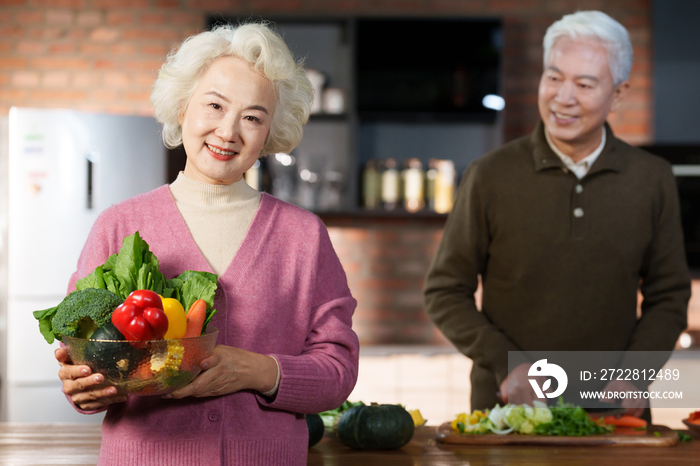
[[92, 157]]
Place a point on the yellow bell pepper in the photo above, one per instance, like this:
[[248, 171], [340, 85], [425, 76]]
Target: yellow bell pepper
[[177, 319], [417, 417]]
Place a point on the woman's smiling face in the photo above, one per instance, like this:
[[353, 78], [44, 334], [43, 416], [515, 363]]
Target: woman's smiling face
[[227, 121]]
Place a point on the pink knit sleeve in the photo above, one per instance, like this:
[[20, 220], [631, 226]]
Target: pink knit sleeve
[[323, 376], [98, 246], [95, 252]]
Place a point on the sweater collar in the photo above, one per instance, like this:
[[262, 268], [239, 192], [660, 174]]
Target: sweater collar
[[202, 194], [609, 159]]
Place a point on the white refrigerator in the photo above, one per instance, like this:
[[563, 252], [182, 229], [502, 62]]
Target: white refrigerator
[[62, 168]]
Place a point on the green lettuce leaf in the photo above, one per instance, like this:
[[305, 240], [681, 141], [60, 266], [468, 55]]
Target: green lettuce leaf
[[128, 263], [112, 283], [197, 285], [110, 263], [94, 280], [45, 317], [192, 285]]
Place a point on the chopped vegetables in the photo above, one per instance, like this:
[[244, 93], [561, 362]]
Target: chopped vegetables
[[625, 421], [503, 420], [568, 419], [562, 419], [524, 418], [468, 422]]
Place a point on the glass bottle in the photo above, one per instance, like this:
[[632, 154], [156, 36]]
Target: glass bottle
[[430, 178], [371, 185], [445, 186], [391, 185], [413, 178]]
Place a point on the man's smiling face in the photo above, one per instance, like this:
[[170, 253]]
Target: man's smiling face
[[576, 94]]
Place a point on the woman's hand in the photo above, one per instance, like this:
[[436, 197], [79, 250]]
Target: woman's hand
[[229, 370], [87, 391]]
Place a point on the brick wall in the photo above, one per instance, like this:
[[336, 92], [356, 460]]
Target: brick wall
[[103, 55], [385, 263]]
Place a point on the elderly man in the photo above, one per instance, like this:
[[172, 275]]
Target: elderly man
[[564, 226]]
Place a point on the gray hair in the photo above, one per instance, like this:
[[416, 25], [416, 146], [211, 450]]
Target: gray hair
[[254, 43], [596, 25]]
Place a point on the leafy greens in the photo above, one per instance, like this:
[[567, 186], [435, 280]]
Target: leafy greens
[[538, 419], [136, 267], [568, 419], [331, 417]]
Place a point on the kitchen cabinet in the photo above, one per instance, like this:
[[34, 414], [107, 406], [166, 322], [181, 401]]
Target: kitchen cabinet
[[323, 174]]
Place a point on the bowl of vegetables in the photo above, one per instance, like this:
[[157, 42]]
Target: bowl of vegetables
[[127, 321], [149, 367]]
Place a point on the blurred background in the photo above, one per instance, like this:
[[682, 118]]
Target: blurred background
[[409, 92]]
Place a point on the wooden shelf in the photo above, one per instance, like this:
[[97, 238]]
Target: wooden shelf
[[354, 217]]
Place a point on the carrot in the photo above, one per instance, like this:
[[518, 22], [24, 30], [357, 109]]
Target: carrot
[[625, 421], [195, 318]]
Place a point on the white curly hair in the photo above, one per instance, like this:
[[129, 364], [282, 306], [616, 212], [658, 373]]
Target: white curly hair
[[599, 26], [255, 43]]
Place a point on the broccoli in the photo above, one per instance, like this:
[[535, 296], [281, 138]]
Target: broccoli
[[79, 314]]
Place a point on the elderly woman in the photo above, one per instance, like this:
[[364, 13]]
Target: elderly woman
[[285, 345]]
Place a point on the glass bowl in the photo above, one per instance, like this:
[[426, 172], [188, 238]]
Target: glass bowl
[[152, 367]]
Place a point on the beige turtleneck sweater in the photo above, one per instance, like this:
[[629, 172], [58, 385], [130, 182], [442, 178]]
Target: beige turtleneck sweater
[[218, 217]]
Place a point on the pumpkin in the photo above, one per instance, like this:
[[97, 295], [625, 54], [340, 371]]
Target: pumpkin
[[107, 332], [316, 428], [111, 364], [375, 427]]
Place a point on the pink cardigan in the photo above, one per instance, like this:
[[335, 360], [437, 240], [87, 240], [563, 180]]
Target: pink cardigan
[[284, 294]]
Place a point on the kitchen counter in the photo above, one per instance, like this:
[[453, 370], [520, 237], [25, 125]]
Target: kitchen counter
[[46, 444], [423, 450], [79, 444]]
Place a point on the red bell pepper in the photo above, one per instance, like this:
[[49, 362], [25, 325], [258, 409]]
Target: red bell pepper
[[141, 316]]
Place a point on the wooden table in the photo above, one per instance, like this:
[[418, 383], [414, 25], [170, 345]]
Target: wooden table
[[45, 444], [423, 450], [79, 444]]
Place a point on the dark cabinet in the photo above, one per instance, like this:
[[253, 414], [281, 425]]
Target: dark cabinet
[[401, 88]]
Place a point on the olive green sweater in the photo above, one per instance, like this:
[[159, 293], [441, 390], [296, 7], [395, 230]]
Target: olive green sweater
[[561, 259]]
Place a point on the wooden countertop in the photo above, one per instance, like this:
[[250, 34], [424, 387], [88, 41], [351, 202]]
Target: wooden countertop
[[46, 444], [79, 444], [423, 450]]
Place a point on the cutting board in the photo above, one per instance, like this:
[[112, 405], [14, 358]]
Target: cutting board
[[621, 437]]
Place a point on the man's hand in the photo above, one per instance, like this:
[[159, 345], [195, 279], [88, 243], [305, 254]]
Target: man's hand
[[635, 407], [516, 388]]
